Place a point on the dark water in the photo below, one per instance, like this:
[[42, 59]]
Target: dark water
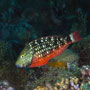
[[22, 21]]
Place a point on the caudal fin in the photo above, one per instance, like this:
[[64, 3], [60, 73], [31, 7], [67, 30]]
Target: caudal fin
[[75, 37]]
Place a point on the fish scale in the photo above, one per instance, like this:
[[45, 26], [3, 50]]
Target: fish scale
[[44, 46]]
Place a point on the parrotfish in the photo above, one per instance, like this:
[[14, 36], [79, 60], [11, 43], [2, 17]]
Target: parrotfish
[[38, 52]]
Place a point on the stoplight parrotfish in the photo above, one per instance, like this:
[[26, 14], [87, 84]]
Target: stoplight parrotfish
[[38, 52]]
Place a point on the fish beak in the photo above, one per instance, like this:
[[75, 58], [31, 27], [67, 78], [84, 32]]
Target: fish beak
[[17, 65]]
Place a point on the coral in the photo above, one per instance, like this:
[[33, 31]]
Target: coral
[[85, 86], [71, 83], [41, 88], [50, 75], [85, 73]]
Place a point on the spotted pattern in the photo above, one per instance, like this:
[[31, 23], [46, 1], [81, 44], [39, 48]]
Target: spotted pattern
[[45, 45]]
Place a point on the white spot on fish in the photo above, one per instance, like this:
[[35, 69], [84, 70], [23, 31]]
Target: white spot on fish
[[38, 52], [65, 41], [57, 42], [53, 49], [30, 45], [31, 48], [41, 40], [35, 41], [49, 48], [39, 55], [42, 50], [59, 45], [52, 38], [45, 39], [38, 44], [47, 52], [51, 44], [44, 46], [61, 39], [54, 46], [36, 49]]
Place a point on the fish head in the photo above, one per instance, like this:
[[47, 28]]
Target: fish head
[[25, 58]]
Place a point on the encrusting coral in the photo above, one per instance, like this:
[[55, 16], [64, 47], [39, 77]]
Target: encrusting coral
[[70, 83]]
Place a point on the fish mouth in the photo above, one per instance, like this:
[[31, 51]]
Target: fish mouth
[[22, 66], [19, 66]]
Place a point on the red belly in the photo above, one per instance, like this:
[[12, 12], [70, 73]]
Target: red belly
[[36, 61]]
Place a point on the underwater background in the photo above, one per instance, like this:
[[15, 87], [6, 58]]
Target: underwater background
[[22, 21]]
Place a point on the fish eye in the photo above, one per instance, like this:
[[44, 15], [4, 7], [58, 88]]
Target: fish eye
[[22, 56]]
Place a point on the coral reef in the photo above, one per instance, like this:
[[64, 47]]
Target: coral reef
[[85, 73], [51, 75], [71, 83]]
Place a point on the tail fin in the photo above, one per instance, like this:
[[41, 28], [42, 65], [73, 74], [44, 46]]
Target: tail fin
[[75, 37]]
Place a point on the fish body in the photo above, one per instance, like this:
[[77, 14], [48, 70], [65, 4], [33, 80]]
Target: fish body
[[39, 52]]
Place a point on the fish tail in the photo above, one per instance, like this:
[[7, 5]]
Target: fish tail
[[74, 37]]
